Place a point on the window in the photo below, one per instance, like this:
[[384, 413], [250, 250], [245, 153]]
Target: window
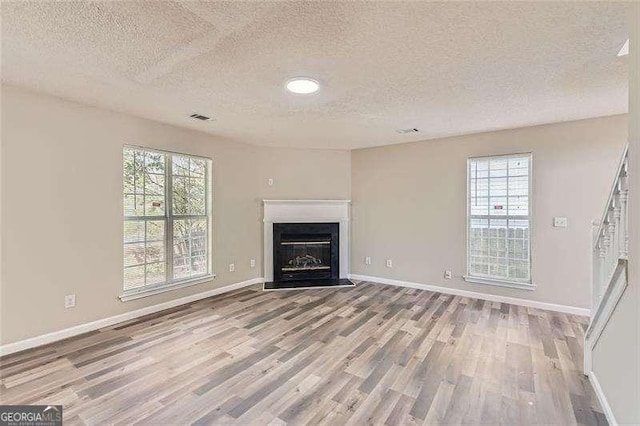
[[499, 220], [167, 220]]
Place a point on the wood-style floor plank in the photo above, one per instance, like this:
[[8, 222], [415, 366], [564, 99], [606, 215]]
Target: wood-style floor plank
[[371, 354]]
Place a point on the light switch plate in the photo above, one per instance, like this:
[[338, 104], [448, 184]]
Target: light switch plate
[[560, 222]]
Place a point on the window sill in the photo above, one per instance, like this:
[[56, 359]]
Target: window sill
[[500, 283], [145, 292]]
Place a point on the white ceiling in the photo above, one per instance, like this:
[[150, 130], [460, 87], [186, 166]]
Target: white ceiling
[[445, 68]]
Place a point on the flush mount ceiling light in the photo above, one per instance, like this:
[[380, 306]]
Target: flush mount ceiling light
[[625, 49], [302, 86]]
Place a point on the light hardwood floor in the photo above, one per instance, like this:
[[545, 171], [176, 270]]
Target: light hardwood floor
[[370, 354]]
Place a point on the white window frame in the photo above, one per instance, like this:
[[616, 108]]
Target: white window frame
[[170, 283], [494, 280]]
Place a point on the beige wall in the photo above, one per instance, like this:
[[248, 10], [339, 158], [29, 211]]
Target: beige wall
[[62, 206], [616, 360], [61, 218], [616, 357], [409, 204]]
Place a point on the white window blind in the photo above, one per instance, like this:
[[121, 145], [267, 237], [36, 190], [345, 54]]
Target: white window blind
[[167, 219], [499, 218]]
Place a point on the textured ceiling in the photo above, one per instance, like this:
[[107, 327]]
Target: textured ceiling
[[445, 68]]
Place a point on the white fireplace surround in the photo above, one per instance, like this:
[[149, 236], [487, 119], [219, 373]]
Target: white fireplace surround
[[306, 211]]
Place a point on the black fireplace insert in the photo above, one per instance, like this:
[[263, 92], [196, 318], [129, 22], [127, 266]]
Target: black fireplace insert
[[305, 251]]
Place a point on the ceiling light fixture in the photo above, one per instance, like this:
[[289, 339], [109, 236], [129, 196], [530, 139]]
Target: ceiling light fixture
[[625, 49], [302, 86]]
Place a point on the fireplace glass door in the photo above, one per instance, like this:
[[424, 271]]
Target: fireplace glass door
[[305, 256], [305, 251]]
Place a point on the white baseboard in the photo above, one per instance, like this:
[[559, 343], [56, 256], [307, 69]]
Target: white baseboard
[[106, 322], [602, 399], [484, 296]]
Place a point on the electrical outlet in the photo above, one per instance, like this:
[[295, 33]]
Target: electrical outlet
[[253, 263], [367, 260], [447, 275], [69, 301], [389, 263], [270, 182], [232, 267]]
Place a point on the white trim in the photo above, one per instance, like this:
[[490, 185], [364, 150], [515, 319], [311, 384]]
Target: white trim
[[606, 307], [529, 216], [55, 336], [465, 293], [305, 211], [306, 201], [169, 218], [145, 292], [603, 312], [608, 412], [624, 50], [500, 283], [285, 219], [587, 360], [612, 192]]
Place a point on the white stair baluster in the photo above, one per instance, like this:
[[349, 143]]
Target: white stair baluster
[[623, 198], [611, 237]]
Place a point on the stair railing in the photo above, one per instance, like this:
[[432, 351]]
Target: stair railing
[[611, 237], [609, 259]]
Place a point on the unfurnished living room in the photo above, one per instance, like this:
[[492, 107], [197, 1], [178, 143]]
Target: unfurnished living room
[[320, 212]]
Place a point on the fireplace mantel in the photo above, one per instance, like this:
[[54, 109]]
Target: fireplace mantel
[[306, 211]]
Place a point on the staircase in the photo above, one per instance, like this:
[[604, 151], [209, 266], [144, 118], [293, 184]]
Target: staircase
[[609, 259]]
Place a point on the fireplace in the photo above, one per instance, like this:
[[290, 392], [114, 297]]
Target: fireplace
[[305, 251], [306, 244]]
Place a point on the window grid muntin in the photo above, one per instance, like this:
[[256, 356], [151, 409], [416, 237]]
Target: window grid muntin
[[189, 243], [145, 243], [140, 189], [187, 178], [477, 170], [189, 216], [169, 217]]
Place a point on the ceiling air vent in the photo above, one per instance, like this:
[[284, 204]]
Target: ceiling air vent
[[200, 117], [414, 130]]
